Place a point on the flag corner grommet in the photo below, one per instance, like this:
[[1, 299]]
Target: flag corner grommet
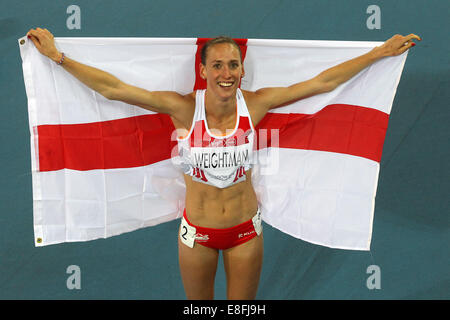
[[22, 41], [39, 240]]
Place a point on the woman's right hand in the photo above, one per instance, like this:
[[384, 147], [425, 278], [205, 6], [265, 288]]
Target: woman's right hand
[[45, 43]]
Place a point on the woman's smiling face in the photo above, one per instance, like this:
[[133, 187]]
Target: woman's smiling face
[[223, 70]]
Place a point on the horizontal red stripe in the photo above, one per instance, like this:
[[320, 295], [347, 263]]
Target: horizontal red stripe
[[123, 143], [143, 140], [339, 128]]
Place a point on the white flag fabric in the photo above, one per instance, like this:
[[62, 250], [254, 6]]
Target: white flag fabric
[[101, 168]]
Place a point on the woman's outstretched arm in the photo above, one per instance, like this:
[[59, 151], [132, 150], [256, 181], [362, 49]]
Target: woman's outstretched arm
[[108, 85], [268, 98], [346, 70]]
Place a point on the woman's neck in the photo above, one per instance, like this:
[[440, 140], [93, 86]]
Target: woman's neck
[[219, 109]]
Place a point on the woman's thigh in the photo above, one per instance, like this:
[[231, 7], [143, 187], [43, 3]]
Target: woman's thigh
[[243, 265], [198, 266]]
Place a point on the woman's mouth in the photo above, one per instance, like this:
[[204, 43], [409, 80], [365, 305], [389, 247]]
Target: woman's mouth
[[225, 84]]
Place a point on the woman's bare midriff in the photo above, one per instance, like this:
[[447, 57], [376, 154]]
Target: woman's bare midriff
[[211, 207]]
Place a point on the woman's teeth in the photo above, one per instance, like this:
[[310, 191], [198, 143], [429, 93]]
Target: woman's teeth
[[225, 84]]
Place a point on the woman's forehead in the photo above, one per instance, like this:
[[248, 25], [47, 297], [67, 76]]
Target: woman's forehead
[[222, 52]]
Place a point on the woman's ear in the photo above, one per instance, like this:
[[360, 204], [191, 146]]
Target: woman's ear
[[202, 71]]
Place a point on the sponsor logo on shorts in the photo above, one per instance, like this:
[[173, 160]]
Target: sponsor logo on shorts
[[201, 237], [241, 235]]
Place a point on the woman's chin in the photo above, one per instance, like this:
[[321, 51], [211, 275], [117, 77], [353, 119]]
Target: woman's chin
[[227, 91]]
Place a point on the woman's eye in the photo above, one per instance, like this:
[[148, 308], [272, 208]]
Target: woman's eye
[[216, 66]]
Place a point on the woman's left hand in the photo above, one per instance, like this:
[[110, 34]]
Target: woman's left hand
[[398, 44]]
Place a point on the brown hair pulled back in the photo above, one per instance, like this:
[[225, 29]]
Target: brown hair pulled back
[[217, 40]]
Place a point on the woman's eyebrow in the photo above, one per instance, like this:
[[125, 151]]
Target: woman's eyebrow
[[233, 60]]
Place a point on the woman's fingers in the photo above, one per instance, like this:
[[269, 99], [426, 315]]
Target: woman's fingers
[[406, 46], [39, 32], [399, 44], [409, 40], [31, 32], [409, 43], [35, 37], [413, 36], [35, 41], [43, 40]]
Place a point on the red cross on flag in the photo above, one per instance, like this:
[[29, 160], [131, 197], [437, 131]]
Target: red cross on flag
[[101, 168]]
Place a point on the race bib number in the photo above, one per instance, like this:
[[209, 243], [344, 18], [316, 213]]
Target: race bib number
[[187, 233], [257, 222]]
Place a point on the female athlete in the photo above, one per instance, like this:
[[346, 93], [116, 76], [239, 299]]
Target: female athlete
[[221, 211]]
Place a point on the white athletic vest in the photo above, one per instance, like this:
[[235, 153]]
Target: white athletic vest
[[220, 161]]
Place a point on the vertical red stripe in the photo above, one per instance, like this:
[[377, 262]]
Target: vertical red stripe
[[199, 82]]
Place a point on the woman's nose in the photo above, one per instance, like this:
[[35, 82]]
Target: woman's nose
[[226, 72]]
